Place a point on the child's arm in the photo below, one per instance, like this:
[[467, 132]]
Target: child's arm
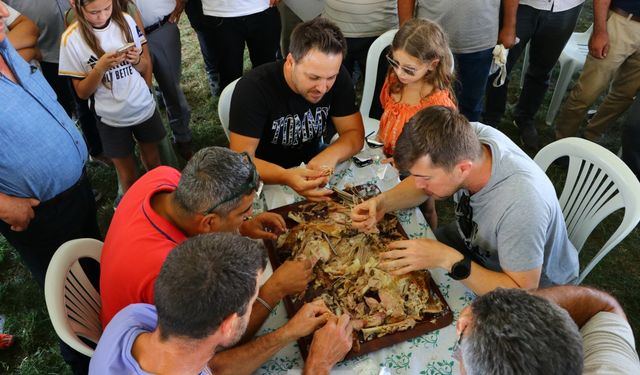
[[87, 86], [139, 60]]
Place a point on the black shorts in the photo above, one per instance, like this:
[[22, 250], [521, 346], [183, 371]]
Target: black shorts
[[118, 142]]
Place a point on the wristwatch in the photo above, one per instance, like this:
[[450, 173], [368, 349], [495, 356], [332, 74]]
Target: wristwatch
[[461, 269]]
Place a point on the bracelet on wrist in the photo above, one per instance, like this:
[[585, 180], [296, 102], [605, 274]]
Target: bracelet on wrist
[[265, 304], [139, 60]]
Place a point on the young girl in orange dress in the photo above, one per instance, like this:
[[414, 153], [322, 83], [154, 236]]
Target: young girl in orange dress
[[420, 75]]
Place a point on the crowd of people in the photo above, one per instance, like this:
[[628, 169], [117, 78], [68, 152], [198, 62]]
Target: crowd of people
[[179, 276]]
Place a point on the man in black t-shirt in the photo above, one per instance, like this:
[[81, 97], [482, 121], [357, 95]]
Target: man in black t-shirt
[[280, 111]]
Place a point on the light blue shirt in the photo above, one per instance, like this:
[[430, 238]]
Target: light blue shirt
[[42, 153], [113, 353]]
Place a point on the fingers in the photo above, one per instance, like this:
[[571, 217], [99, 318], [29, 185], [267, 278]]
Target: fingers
[[34, 202], [343, 323]]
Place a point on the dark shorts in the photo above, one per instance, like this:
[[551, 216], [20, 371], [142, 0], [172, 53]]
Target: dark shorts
[[119, 142]]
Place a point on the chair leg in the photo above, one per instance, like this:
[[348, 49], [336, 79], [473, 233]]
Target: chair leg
[[564, 78]]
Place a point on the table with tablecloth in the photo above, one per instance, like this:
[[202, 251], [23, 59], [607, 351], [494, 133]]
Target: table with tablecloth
[[429, 354]]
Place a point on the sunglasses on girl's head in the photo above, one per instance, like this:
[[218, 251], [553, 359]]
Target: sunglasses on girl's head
[[396, 65]]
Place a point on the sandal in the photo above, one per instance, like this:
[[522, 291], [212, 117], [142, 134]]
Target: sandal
[[6, 340]]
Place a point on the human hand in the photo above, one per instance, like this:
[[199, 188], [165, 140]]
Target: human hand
[[599, 44], [311, 316], [177, 11], [274, 3], [330, 344], [109, 60], [133, 55], [17, 212], [366, 215], [292, 277], [507, 37], [266, 225], [412, 255], [308, 183]]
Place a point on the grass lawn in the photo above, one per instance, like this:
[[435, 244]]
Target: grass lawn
[[22, 303]]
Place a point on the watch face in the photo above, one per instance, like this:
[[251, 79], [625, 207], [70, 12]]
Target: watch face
[[460, 270]]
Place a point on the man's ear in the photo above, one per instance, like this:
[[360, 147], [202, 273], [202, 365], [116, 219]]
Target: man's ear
[[464, 168], [228, 326], [209, 223]]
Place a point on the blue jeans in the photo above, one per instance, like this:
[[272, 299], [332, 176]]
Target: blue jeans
[[547, 33], [631, 137], [473, 72]]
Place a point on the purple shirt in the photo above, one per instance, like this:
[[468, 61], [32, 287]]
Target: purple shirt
[[113, 354]]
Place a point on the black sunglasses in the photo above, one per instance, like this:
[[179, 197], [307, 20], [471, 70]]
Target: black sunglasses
[[253, 183]]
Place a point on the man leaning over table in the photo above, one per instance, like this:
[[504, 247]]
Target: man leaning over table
[[204, 296], [214, 193], [512, 331], [281, 112], [510, 231]]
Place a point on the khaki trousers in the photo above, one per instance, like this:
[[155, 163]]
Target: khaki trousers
[[621, 67]]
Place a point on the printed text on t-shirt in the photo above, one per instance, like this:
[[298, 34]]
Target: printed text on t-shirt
[[291, 130]]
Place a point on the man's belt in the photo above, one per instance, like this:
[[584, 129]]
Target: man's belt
[[626, 14], [65, 194], [151, 28]]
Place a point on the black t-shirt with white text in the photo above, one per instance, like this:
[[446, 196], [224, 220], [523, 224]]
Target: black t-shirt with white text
[[290, 128]]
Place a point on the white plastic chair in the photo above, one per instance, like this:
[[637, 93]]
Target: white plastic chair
[[370, 76], [224, 105], [72, 301], [571, 60], [598, 183]]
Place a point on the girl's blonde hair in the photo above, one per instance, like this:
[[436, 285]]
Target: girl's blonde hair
[[86, 30], [425, 40]]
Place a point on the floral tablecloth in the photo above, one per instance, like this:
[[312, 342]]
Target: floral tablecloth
[[429, 354]]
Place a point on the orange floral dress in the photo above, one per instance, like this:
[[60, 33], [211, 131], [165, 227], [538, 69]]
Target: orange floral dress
[[396, 114]]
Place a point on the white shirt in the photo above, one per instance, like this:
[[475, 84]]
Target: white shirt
[[609, 346], [128, 102], [558, 5], [153, 11], [233, 8]]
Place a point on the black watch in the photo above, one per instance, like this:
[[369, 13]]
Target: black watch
[[461, 269]]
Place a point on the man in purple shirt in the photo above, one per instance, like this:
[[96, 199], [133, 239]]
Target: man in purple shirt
[[203, 299]]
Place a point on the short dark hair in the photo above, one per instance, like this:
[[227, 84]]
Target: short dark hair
[[212, 175], [319, 33], [515, 332], [204, 280], [440, 132]]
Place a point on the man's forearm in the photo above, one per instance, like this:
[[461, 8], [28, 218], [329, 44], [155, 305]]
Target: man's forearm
[[259, 312], [581, 303], [247, 358], [509, 12], [482, 280], [270, 173], [405, 10], [404, 195], [23, 33], [600, 11]]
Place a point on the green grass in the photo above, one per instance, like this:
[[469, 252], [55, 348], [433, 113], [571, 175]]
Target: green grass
[[21, 301]]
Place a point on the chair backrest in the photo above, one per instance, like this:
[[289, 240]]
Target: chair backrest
[[72, 301], [370, 76], [598, 183], [224, 105]]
